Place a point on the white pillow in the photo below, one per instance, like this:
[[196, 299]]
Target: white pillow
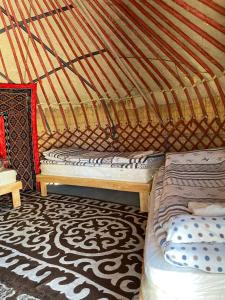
[[207, 209]]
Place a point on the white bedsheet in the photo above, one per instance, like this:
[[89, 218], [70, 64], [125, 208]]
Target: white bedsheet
[[121, 174], [7, 176], [162, 281]]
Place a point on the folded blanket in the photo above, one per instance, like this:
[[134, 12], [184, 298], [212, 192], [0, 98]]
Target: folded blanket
[[207, 209], [59, 154], [134, 157]]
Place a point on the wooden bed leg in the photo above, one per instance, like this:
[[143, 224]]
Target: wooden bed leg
[[16, 198], [143, 201], [43, 188]]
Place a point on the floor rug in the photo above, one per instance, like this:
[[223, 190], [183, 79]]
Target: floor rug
[[66, 247]]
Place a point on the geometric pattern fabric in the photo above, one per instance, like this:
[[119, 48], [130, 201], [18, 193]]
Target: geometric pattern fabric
[[15, 107], [71, 248]]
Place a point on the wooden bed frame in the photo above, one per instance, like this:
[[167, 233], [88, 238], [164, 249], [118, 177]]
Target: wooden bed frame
[[13, 188], [142, 188]]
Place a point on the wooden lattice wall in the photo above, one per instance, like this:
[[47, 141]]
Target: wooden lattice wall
[[120, 74]]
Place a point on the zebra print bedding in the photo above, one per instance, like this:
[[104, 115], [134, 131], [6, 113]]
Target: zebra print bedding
[[79, 157]]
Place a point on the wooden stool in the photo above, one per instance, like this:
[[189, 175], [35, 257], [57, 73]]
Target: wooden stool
[[13, 188]]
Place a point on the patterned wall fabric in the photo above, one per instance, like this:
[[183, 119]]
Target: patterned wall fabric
[[2, 138], [15, 106]]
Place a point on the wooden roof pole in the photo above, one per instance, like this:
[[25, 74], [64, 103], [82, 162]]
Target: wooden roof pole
[[73, 67], [147, 61], [215, 6], [192, 42], [124, 38], [105, 109], [43, 64], [195, 12], [144, 28], [18, 41], [197, 29], [183, 46], [126, 69], [148, 46], [171, 53], [4, 68], [12, 46], [58, 78], [87, 25], [92, 22], [40, 82], [64, 72], [28, 53], [94, 59]]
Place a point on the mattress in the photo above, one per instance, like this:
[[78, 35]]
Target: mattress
[[127, 166], [162, 281], [87, 157], [97, 172], [7, 176]]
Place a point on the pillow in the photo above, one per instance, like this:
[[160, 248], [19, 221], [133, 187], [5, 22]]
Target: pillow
[[208, 257], [202, 157], [207, 209], [196, 229]]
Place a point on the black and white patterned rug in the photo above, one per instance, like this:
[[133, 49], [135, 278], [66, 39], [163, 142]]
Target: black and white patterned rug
[[64, 247]]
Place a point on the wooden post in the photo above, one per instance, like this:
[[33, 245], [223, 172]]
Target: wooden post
[[16, 198], [143, 201], [13, 188], [43, 188]]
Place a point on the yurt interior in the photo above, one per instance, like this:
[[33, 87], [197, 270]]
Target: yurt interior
[[112, 149]]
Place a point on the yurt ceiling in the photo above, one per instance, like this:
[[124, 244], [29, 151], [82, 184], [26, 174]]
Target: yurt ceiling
[[119, 74]]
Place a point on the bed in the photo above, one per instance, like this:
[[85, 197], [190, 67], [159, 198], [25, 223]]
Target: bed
[[162, 279], [131, 172]]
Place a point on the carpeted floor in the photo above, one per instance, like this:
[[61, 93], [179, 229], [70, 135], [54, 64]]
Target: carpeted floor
[[66, 247]]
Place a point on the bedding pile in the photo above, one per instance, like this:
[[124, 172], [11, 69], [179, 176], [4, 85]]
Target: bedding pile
[[192, 182], [79, 157]]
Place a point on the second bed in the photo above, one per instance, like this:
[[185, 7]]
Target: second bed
[[201, 173], [109, 170]]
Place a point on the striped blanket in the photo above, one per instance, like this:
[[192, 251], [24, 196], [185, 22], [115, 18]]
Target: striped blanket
[[79, 157], [190, 177]]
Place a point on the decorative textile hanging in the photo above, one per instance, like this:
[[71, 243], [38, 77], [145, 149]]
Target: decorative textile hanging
[[18, 123], [2, 138]]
